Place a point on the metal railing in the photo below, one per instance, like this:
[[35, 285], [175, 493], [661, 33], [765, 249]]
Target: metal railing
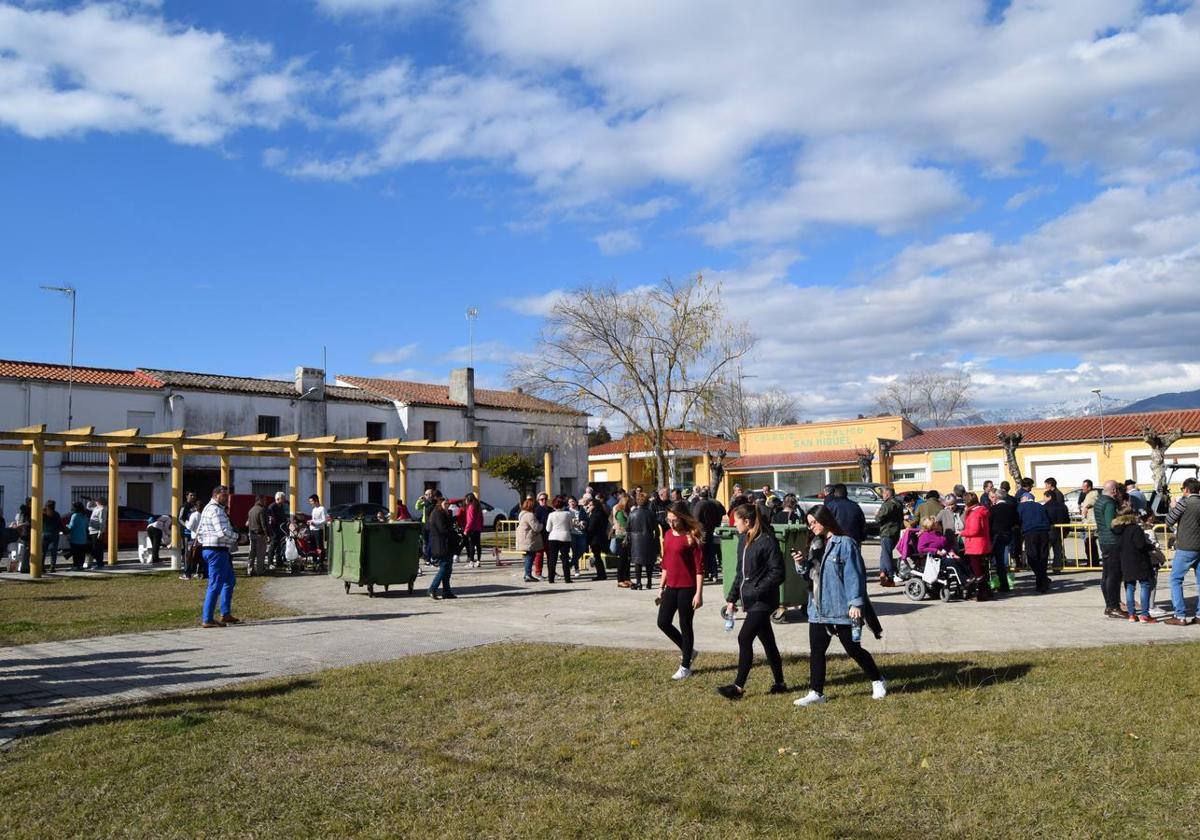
[[1081, 551], [127, 459], [505, 538]]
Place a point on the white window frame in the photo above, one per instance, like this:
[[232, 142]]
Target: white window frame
[[1133, 454], [1030, 460], [922, 471], [981, 462]]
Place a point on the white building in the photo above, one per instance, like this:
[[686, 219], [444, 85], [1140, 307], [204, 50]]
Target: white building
[[155, 400]]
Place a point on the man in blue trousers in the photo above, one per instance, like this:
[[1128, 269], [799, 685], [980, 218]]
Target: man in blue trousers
[[218, 541]]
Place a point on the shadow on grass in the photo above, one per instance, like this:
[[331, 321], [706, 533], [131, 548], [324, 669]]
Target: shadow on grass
[[62, 598], [314, 619]]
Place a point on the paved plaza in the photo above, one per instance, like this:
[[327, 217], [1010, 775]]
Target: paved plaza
[[333, 629]]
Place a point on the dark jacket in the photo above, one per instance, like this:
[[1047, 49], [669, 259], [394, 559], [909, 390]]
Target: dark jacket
[[659, 508], [1056, 509], [928, 508], [597, 526], [1133, 549], [1033, 517], [759, 574], [849, 516], [441, 528], [710, 513], [256, 520], [785, 517], [52, 525], [643, 537], [890, 517], [1003, 517], [277, 517], [1105, 511], [1185, 516]]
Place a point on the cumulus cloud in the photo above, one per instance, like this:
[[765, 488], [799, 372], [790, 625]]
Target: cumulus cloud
[[616, 242], [120, 67], [372, 7]]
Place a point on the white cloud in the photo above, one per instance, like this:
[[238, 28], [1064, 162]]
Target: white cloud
[[1020, 199], [614, 242], [395, 355], [116, 67], [372, 7], [496, 352], [538, 306]]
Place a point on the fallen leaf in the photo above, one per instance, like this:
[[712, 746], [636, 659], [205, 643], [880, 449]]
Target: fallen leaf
[[924, 763], [1133, 736]]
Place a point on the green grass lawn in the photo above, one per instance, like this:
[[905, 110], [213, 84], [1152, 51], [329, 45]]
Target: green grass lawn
[[532, 741], [73, 608]]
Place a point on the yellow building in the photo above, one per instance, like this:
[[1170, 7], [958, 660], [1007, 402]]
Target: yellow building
[[628, 462], [803, 458]]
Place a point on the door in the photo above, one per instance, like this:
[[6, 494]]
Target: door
[[1068, 472], [376, 491], [140, 495]]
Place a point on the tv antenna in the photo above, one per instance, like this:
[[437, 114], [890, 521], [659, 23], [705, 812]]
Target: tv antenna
[[472, 316]]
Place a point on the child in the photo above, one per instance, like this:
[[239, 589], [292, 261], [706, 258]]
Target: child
[[1133, 553]]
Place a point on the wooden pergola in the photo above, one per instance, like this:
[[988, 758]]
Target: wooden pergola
[[179, 445]]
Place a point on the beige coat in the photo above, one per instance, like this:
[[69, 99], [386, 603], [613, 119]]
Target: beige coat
[[529, 532]]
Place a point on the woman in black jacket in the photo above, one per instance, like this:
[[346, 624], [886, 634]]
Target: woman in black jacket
[[756, 584], [597, 536], [442, 539], [643, 540]]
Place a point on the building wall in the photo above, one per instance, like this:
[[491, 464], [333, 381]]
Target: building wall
[[809, 437], [1128, 459]]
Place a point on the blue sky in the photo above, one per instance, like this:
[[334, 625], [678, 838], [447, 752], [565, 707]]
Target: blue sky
[[233, 185]]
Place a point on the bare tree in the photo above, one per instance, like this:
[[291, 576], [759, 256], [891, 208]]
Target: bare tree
[[1159, 444], [866, 456], [928, 398], [650, 356], [1010, 441], [730, 408], [716, 466]]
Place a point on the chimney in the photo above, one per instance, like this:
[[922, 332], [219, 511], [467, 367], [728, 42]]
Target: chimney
[[462, 388], [310, 379]]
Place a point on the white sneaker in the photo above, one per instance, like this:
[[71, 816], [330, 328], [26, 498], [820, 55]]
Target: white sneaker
[[682, 673], [878, 689], [810, 699], [1159, 612]]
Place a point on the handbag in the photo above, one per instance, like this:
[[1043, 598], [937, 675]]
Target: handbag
[[194, 555]]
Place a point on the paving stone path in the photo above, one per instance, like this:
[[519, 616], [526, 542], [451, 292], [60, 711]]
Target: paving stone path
[[333, 629]]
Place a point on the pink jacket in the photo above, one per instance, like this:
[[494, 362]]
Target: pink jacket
[[931, 542], [474, 519], [976, 531]]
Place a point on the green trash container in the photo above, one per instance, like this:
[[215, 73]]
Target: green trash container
[[793, 592], [374, 554]]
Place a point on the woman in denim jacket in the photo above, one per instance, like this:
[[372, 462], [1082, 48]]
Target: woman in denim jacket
[[835, 605]]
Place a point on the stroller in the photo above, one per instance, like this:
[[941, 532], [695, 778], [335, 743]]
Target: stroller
[[301, 554], [935, 575]]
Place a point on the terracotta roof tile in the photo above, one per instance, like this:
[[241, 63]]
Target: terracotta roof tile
[[677, 440], [422, 393], [818, 457], [82, 375], [253, 385], [1069, 429]]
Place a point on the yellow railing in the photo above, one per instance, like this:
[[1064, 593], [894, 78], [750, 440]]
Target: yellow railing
[[505, 538], [1081, 552]]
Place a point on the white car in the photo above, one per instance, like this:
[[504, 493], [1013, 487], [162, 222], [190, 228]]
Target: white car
[[491, 515]]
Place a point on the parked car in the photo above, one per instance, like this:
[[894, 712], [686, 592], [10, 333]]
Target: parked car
[[866, 494], [491, 515], [1072, 499], [129, 522], [359, 510]]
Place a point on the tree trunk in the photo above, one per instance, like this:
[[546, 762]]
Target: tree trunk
[[716, 471], [1011, 440], [1159, 444], [865, 459], [660, 465]]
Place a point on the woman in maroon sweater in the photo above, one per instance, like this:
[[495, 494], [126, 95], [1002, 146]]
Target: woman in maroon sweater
[[682, 582]]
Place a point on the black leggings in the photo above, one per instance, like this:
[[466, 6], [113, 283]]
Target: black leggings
[[623, 562], [757, 625], [599, 548], [637, 574], [558, 550], [818, 643], [474, 546], [676, 600]]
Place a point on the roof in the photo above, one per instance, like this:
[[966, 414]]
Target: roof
[[421, 393], [1069, 429], [676, 441], [819, 457], [253, 385], [108, 377]]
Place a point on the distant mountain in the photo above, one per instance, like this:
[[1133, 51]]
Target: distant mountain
[[1046, 411], [1163, 402]]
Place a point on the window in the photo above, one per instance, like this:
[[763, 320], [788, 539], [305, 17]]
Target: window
[[566, 486], [82, 494], [268, 424], [979, 473], [802, 482], [529, 437], [430, 430], [431, 485], [376, 491], [908, 474], [376, 431], [599, 475], [481, 435], [268, 488], [845, 475], [685, 474], [344, 492], [754, 481]]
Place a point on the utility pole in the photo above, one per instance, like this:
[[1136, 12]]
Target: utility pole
[[70, 291]]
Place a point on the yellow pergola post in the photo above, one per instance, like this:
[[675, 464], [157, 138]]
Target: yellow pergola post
[[114, 503], [293, 479], [548, 470], [37, 490], [225, 471], [707, 461], [475, 477], [320, 469], [626, 472], [393, 481], [404, 478], [176, 494]]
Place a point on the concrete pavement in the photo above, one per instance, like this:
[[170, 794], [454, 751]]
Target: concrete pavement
[[333, 629]]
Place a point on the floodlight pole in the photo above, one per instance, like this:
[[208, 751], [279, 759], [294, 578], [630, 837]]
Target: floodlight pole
[[70, 291]]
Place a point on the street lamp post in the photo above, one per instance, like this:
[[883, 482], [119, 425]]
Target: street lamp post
[[69, 291], [1104, 444]]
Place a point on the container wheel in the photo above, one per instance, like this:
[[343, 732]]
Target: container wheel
[[347, 587], [915, 589], [410, 587], [370, 590], [385, 587]]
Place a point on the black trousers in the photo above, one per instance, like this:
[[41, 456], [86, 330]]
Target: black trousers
[[559, 550], [623, 561], [818, 644], [1037, 552], [78, 551], [1110, 579], [757, 625], [599, 548], [156, 540], [637, 572], [97, 544], [1056, 548], [675, 600], [474, 546]]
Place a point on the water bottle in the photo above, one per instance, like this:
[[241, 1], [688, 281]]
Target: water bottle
[[728, 621], [1012, 581], [856, 630]]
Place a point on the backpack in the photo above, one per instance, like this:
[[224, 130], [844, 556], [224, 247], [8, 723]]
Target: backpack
[[455, 541]]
